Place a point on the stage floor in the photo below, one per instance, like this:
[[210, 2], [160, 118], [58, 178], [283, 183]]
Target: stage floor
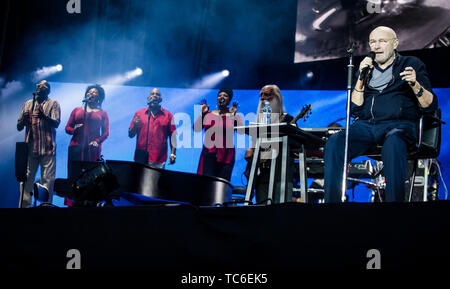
[[181, 239]]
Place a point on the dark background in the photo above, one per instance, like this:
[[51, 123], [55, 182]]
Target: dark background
[[175, 42]]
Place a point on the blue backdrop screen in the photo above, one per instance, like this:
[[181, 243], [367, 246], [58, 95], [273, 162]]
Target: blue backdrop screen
[[122, 102]]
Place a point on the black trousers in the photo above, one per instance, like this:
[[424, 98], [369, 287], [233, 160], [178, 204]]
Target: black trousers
[[263, 179], [395, 136], [73, 155], [213, 168]]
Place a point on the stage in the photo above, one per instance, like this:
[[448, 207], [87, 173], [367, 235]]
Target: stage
[[277, 240]]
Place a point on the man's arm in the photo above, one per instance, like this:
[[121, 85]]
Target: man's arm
[[427, 97], [358, 93], [423, 95], [23, 119], [172, 139], [54, 115], [132, 130], [173, 147]]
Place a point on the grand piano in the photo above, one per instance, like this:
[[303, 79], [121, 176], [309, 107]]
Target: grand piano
[[140, 184]]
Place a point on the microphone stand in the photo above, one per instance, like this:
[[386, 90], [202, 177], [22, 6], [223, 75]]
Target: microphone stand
[[148, 129], [85, 147], [347, 123]]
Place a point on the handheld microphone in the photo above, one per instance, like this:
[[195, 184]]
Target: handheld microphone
[[154, 100], [87, 99], [365, 70]]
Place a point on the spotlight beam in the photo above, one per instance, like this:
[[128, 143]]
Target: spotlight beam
[[211, 80], [124, 77], [45, 71]]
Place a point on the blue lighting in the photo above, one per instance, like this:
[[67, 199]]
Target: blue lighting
[[121, 102]]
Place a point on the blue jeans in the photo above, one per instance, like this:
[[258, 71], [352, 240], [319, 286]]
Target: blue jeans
[[393, 135]]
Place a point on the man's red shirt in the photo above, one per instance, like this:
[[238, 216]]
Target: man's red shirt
[[160, 128]]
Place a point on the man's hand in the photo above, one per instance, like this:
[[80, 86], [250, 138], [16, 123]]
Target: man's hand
[[93, 143], [134, 128], [24, 121], [425, 98], [366, 62], [409, 75], [249, 154], [172, 159], [26, 116], [40, 113], [137, 121]]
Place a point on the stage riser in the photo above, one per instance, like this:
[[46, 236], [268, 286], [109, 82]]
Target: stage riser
[[269, 238]]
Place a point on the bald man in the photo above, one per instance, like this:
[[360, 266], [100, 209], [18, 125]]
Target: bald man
[[41, 117], [153, 125], [386, 105]]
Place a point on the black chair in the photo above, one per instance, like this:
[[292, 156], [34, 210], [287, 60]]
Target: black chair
[[428, 145]]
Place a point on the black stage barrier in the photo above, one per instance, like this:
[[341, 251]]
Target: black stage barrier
[[175, 240]]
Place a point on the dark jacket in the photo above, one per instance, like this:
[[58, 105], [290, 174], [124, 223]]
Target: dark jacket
[[397, 101]]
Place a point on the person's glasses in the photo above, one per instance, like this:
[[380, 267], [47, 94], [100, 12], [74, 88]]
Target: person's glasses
[[380, 41]]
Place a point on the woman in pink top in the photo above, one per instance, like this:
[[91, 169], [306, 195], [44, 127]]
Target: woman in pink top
[[89, 126], [218, 154]]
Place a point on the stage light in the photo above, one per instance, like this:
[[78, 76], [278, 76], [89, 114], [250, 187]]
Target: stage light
[[307, 78], [45, 72], [122, 78], [95, 185], [134, 73], [211, 80]]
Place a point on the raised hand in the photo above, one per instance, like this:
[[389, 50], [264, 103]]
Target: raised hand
[[203, 106], [409, 75], [234, 107]]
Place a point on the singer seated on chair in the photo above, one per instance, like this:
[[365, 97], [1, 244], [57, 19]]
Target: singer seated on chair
[[153, 125], [389, 93]]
